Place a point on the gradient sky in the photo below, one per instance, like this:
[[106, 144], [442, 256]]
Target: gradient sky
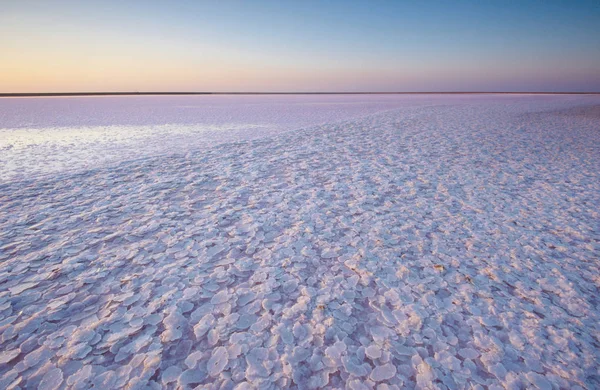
[[69, 46]]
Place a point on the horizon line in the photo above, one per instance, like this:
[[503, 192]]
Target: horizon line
[[135, 93]]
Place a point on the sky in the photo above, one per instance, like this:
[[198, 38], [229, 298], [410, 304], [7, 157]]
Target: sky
[[299, 46]]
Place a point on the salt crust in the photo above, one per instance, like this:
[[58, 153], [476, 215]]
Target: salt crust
[[453, 246]]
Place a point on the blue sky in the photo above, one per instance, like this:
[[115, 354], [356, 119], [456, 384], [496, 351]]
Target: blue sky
[[299, 46]]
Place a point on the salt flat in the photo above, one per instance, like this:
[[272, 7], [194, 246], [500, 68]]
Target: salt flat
[[46, 136], [441, 242]]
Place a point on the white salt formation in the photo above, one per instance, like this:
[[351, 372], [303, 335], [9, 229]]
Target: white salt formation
[[43, 136], [448, 246]]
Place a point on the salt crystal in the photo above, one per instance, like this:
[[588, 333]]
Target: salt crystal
[[353, 367], [220, 297], [425, 375], [7, 356], [468, 353], [106, 380], [213, 337], [191, 377], [51, 379], [381, 373], [171, 374], [193, 358], [256, 366], [373, 351], [217, 361], [203, 325], [245, 321], [539, 381], [290, 286], [22, 287]]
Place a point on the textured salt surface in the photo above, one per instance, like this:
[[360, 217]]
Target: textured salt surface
[[45, 136], [49, 135], [453, 246]]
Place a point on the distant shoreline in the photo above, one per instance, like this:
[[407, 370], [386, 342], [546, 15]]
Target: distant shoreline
[[58, 94]]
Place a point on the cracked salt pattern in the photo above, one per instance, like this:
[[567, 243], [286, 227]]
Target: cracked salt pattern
[[452, 246]]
